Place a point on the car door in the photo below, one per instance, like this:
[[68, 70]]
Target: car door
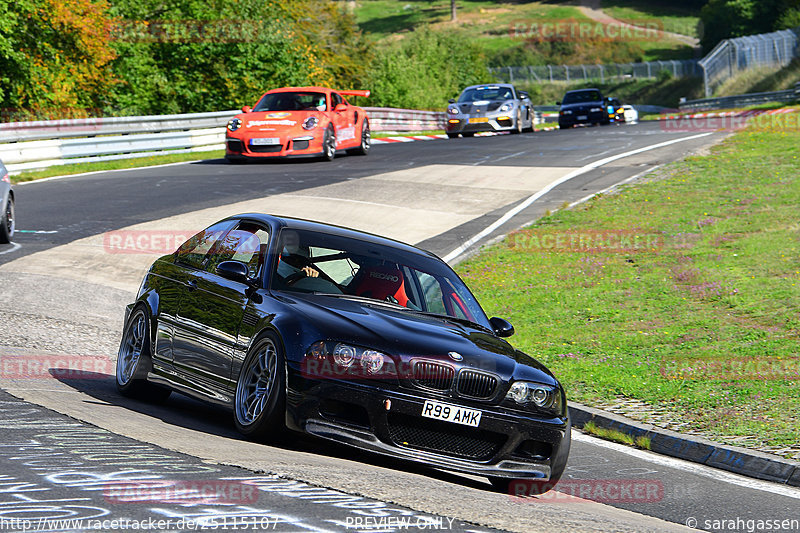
[[343, 121], [169, 280], [211, 311]]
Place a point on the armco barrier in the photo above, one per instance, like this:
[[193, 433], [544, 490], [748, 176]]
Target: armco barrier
[[41, 144], [742, 100]]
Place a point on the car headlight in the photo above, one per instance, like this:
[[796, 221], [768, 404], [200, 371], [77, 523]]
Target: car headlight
[[566, 112], [234, 124], [340, 360], [310, 123], [505, 107], [526, 393], [452, 110]]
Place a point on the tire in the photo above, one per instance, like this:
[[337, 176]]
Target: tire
[[517, 124], [366, 141], [452, 135], [329, 144], [8, 221], [259, 410], [134, 360]]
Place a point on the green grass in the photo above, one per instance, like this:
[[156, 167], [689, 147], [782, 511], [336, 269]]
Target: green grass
[[492, 24], [671, 18], [79, 168], [617, 436], [761, 80], [659, 324]]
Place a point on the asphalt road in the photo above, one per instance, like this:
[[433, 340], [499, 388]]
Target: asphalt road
[[64, 294]]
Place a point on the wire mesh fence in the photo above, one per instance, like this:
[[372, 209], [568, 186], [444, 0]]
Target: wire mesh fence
[[776, 49], [601, 73]]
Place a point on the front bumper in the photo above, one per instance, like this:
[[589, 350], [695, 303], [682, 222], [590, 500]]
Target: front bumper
[[242, 147], [507, 444], [474, 124], [597, 117]]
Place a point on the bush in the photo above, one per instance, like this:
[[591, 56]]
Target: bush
[[424, 70]]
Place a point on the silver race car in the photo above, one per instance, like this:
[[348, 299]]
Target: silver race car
[[7, 216], [497, 107]]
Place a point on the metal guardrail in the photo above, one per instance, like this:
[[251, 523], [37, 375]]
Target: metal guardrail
[[776, 49], [45, 143], [742, 100], [601, 73]]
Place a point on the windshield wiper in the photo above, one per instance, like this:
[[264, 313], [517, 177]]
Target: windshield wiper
[[459, 320], [364, 299]]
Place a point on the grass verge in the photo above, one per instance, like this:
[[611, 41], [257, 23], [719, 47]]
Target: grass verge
[[682, 293], [79, 168], [617, 436]]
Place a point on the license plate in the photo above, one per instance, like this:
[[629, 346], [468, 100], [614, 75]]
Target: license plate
[[583, 117], [478, 120], [451, 413], [265, 140]]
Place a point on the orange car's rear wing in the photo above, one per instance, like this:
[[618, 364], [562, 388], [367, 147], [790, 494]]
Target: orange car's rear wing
[[365, 93]]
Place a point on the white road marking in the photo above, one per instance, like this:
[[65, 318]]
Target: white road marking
[[36, 231], [583, 170], [692, 468], [55, 178], [14, 246]]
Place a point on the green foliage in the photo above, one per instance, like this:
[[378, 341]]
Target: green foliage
[[723, 19], [53, 57], [425, 69]]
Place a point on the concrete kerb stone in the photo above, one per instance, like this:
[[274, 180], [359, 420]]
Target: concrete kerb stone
[[750, 463]]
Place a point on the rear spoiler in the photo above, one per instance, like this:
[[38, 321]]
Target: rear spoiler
[[365, 93]]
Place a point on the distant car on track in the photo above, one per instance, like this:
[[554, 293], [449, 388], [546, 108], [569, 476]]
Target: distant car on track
[[346, 336], [494, 107], [298, 121], [616, 113], [7, 210], [582, 106], [631, 115]]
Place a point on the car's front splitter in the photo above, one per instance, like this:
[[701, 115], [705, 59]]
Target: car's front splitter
[[371, 418]]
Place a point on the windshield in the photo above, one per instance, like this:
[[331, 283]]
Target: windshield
[[320, 263], [578, 97], [292, 101], [489, 92]]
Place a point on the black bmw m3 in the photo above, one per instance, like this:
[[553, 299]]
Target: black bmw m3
[[346, 336]]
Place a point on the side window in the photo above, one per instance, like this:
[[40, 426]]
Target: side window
[[247, 243], [432, 292], [336, 99], [194, 251]]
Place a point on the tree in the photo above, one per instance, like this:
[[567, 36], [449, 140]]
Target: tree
[[453, 10], [53, 57]]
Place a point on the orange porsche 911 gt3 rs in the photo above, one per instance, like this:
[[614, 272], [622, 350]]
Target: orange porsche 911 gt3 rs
[[298, 121]]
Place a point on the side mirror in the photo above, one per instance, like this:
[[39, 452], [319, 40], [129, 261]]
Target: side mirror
[[501, 326], [340, 107], [558, 103], [234, 271], [247, 109], [451, 101]]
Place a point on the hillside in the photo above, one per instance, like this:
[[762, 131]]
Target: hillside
[[506, 30]]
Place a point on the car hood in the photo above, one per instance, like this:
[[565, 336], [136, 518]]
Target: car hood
[[482, 106], [583, 105], [407, 334], [267, 120]]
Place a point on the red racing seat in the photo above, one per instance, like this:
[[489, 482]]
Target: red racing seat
[[381, 282]]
